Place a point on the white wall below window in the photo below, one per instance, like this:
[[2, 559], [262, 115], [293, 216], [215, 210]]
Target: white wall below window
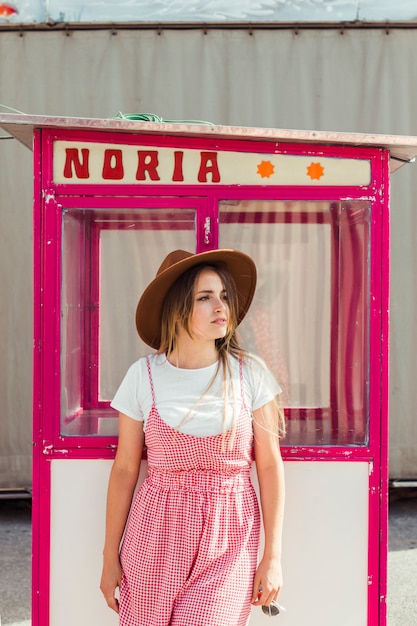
[[325, 556]]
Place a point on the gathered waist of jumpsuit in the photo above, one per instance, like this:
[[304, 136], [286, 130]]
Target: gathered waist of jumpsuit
[[199, 480]]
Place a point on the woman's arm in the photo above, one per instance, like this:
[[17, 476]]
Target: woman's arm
[[122, 482], [270, 471]]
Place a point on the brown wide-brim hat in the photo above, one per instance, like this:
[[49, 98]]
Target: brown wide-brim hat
[[149, 309]]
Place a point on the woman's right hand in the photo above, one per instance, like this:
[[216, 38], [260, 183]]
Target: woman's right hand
[[110, 581]]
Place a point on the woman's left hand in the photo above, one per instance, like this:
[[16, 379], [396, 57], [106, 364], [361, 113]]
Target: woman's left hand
[[267, 582]]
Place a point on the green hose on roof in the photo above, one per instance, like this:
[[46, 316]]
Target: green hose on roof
[[151, 117]]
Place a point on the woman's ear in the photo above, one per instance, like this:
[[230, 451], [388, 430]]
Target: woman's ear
[[178, 327]]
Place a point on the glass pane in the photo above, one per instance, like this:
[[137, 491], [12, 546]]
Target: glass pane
[[108, 259], [309, 318], [72, 321]]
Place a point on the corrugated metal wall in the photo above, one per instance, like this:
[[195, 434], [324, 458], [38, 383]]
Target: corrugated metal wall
[[359, 80]]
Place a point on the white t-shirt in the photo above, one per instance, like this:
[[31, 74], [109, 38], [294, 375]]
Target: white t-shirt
[[178, 391]]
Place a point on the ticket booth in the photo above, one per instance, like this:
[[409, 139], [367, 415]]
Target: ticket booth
[[111, 199]]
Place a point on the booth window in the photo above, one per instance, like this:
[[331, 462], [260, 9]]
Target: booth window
[[309, 319], [314, 339], [108, 258]]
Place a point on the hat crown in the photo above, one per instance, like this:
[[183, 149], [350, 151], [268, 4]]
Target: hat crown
[[173, 257]]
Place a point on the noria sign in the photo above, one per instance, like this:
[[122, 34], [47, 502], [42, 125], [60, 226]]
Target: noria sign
[[93, 163]]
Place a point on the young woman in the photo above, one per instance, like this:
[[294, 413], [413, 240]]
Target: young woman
[[205, 408]]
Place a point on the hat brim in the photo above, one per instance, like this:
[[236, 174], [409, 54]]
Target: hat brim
[[149, 309]]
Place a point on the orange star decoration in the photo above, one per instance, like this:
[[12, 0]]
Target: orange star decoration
[[266, 169], [315, 171]]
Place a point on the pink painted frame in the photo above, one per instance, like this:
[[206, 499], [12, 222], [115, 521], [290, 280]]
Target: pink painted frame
[[48, 444]]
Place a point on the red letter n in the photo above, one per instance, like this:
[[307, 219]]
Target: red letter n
[[80, 167]]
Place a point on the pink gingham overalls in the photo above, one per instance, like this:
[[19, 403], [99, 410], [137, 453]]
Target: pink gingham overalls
[[190, 550]]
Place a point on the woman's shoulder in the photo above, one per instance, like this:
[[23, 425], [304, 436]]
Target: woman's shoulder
[[141, 365], [259, 373], [254, 362], [153, 357], [252, 366]]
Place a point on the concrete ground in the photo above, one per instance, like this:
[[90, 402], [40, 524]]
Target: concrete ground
[[15, 558], [15, 562], [402, 558]]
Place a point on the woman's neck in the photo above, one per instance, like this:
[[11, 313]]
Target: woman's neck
[[193, 356]]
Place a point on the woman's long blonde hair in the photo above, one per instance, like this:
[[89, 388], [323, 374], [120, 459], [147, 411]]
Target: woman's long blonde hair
[[178, 307]]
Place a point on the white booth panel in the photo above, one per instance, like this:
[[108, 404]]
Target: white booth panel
[[325, 544]]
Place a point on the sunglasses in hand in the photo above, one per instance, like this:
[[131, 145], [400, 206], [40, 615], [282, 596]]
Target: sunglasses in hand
[[272, 609]]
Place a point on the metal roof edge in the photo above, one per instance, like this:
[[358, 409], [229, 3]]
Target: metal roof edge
[[51, 26], [402, 148]]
